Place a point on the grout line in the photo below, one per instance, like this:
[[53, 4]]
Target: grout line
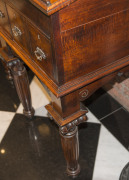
[[125, 109], [110, 113]]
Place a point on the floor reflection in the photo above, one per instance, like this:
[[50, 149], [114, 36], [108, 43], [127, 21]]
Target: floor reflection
[[33, 150]]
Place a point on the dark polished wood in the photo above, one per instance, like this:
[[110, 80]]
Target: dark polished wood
[[4, 19], [74, 47], [18, 26], [39, 42], [86, 11], [22, 86], [51, 6], [30, 12], [70, 145]]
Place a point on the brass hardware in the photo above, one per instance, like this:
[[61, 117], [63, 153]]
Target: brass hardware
[[120, 74], [16, 31], [2, 14], [40, 54]]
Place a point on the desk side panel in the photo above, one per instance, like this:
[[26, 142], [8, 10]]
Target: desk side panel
[[95, 45], [85, 11]]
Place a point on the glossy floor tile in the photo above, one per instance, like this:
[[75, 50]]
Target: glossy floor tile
[[9, 100], [32, 150], [118, 124], [101, 104], [111, 157], [5, 120], [39, 98]]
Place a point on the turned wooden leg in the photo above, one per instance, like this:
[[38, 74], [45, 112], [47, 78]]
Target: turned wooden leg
[[68, 113], [22, 86], [70, 145]]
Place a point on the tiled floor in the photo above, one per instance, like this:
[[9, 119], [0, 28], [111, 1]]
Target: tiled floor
[[32, 151]]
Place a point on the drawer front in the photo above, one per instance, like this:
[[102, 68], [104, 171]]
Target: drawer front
[[32, 13], [19, 29], [4, 21], [41, 50]]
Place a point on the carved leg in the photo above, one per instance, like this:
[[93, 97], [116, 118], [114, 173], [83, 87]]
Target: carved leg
[[68, 113], [22, 86], [70, 145]]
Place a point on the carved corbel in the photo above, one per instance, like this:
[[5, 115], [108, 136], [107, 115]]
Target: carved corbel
[[68, 127]]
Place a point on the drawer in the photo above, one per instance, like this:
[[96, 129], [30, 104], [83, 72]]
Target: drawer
[[4, 21], [41, 50], [19, 29], [33, 14]]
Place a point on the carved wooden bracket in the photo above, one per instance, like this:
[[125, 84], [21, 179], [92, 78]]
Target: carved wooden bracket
[[17, 63], [68, 127]]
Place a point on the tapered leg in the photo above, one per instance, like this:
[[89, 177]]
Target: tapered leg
[[68, 113], [70, 145], [21, 81]]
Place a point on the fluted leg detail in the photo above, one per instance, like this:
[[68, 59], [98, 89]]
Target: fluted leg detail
[[22, 86], [70, 145]]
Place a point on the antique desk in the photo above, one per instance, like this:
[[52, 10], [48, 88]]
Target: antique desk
[[73, 46]]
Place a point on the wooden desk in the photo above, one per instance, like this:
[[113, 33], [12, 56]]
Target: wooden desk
[[73, 46]]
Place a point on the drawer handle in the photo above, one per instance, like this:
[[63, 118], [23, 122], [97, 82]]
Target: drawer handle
[[2, 14], [40, 54], [16, 31]]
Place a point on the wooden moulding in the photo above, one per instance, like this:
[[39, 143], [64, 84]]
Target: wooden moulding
[[51, 6], [93, 76], [59, 120], [68, 87]]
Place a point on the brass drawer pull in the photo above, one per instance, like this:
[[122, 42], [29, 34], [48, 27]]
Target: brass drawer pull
[[2, 14], [40, 54], [16, 31]]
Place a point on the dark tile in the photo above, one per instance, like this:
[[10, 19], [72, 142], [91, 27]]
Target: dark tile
[[33, 151], [101, 104], [9, 100], [118, 124]]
